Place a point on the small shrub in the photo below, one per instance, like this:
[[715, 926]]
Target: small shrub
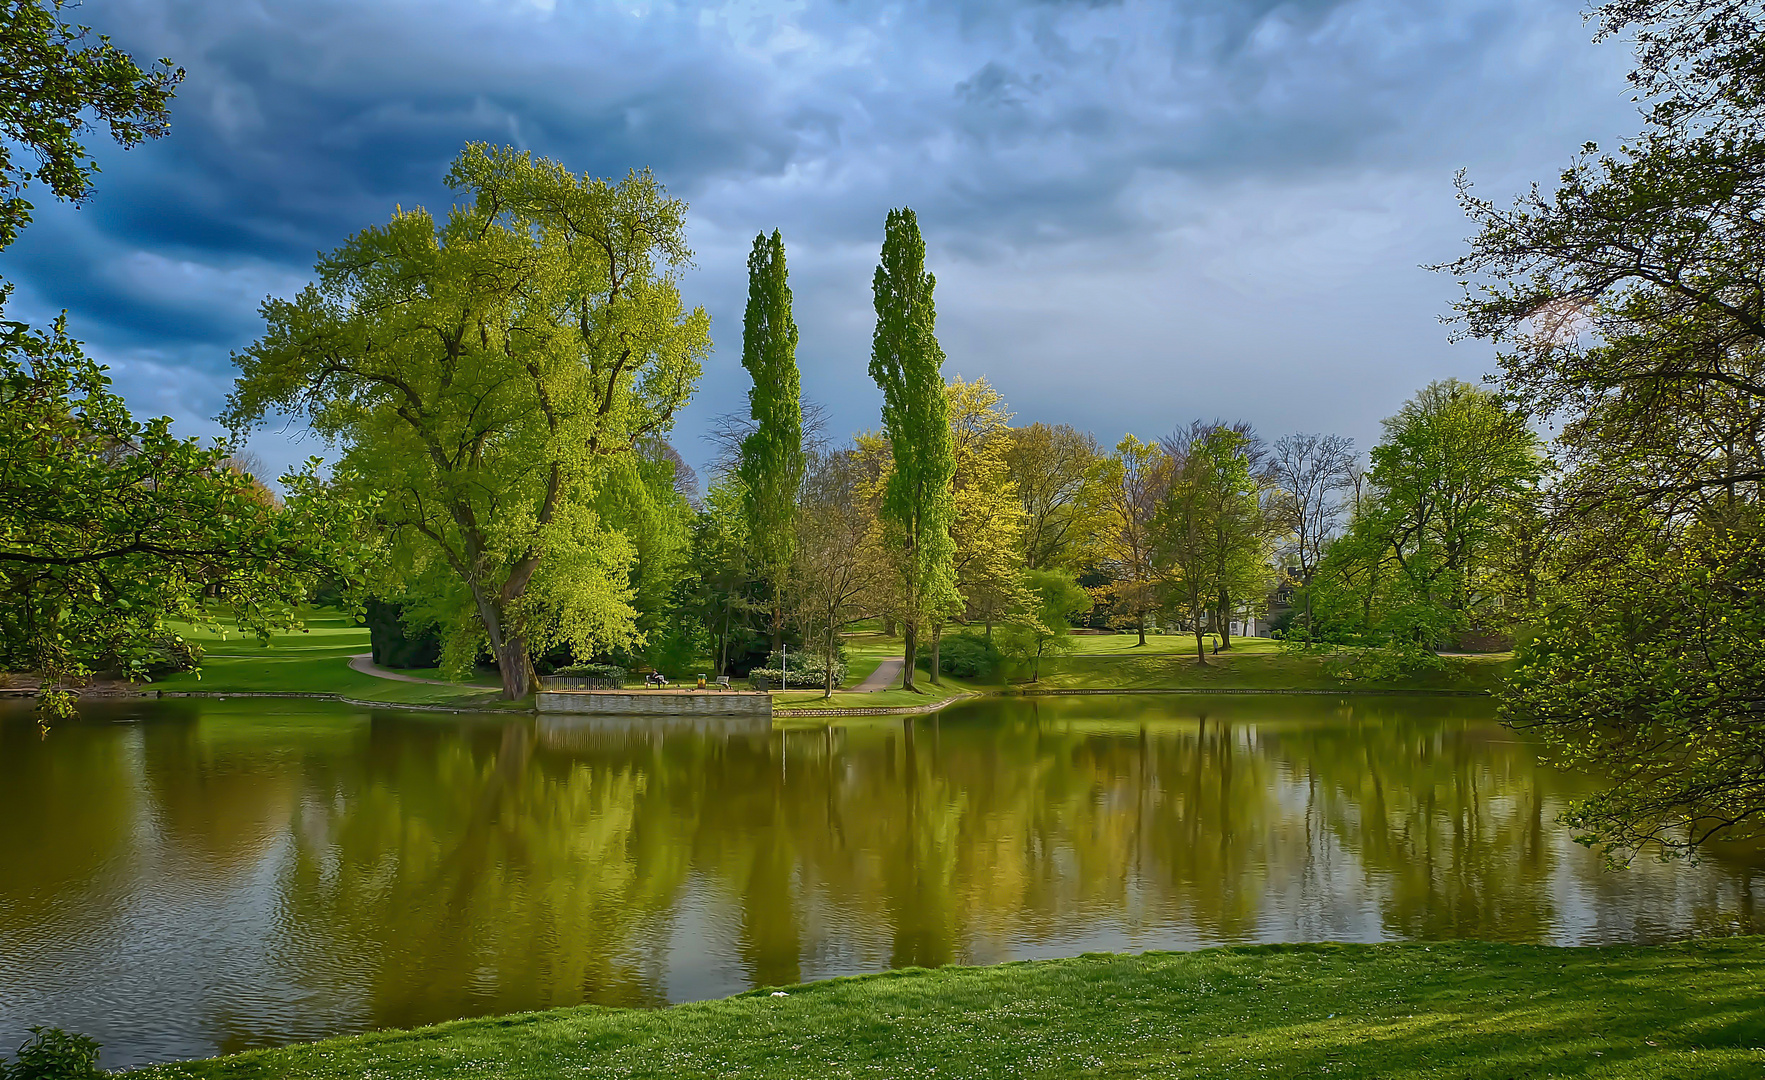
[[964, 656], [805, 677], [609, 672], [53, 1054]]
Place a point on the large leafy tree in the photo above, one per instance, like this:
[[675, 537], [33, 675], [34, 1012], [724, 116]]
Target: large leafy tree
[[988, 518], [1044, 623], [917, 505], [1195, 531], [1057, 470], [480, 373], [1454, 465], [1434, 532], [1226, 472], [1629, 307], [1134, 481], [772, 461]]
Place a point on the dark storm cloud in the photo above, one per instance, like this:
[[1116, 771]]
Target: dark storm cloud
[[1038, 140]]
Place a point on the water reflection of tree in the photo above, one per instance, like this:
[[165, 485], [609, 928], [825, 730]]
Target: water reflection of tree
[[432, 868]]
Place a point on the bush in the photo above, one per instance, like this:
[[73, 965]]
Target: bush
[[807, 672], [53, 1054], [964, 656], [611, 673]]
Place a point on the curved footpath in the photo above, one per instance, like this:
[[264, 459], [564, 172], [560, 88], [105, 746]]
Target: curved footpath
[[364, 663]]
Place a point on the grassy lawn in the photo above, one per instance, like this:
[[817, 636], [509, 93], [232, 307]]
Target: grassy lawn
[[316, 660], [1165, 662], [1113, 661], [1447, 1009], [313, 661], [865, 651]]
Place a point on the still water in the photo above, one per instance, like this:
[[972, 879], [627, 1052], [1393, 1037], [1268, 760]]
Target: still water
[[185, 879]]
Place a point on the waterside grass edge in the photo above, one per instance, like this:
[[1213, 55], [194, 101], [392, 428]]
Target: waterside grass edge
[[1438, 1009]]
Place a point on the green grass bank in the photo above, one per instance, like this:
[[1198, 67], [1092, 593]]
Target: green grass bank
[[1445, 1009], [313, 661]]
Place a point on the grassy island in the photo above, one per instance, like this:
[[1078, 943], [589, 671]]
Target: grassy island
[[1442, 1009]]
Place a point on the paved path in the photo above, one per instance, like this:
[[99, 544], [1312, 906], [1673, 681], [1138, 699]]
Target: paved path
[[364, 663], [883, 678]]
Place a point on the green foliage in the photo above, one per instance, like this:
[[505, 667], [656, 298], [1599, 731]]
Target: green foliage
[[1626, 305], [1650, 674], [965, 656], [111, 527], [1059, 476], [1046, 626], [611, 673], [772, 461], [397, 643], [640, 499], [806, 670], [53, 1054], [52, 77], [1208, 528], [721, 589], [809, 678], [484, 376], [918, 507], [1436, 545]]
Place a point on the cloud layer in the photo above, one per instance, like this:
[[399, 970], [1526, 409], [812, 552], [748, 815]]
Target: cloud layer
[[1138, 213]]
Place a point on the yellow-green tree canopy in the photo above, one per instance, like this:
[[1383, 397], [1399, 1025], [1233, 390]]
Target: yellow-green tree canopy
[[479, 374], [988, 523]]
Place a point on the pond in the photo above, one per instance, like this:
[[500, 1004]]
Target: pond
[[188, 878]]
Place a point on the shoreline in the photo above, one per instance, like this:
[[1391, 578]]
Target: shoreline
[[778, 713]]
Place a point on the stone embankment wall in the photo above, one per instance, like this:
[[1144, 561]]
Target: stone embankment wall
[[655, 702]]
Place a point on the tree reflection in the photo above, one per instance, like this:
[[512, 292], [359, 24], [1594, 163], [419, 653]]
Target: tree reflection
[[423, 869]]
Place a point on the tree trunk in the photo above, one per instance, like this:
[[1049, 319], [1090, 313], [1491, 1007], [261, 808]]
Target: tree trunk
[[1036, 665], [777, 620], [513, 664], [910, 634], [1200, 648], [937, 640], [515, 667], [888, 626], [1142, 628], [1225, 620], [831, 649]]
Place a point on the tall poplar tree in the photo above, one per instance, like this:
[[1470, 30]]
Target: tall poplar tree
[[906, 362], [772, 455]]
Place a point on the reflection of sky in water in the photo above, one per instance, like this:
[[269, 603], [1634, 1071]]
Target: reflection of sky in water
[[232, 875]]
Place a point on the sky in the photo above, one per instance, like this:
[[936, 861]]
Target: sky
[[1138, 214]]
